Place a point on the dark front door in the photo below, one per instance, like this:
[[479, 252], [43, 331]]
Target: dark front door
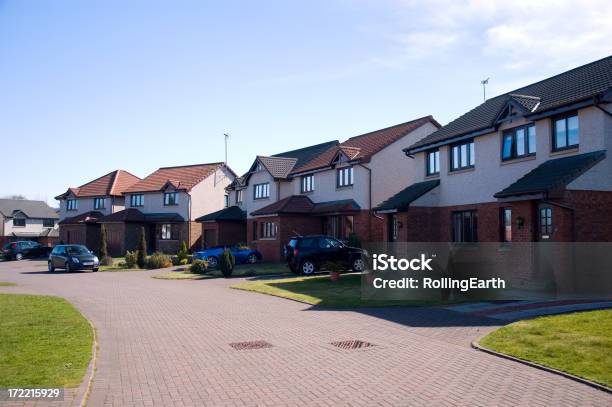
[[210, 238], [152, 242], [392, 227]]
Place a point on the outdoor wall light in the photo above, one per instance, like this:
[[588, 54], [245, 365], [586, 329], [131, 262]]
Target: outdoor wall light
[[520, 222]]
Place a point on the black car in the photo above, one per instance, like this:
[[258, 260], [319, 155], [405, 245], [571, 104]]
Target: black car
[[72, 257], [306, 254], [24, 249]]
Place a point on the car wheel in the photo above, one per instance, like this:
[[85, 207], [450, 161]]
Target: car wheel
[[308, 267], [51, 267], [95, 270], [67, 267], [358, 264], [19, 256], [212, 262], [251, 258]]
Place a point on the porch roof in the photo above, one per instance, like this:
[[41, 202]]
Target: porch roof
[[301, 204], [232, 213], [402, 200], [343, 205], [135, 215], [552, 175], [87, 217]]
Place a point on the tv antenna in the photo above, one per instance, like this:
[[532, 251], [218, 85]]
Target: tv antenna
[[484, 82]]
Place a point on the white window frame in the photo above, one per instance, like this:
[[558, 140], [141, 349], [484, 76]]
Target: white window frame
[[166, 231], [239, 195], [344, 177], [307, 183], [136, 200], [97, 203], [269, 230], [72, 204], [167, 198], [261, 191]]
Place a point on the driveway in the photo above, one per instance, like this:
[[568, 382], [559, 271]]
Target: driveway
[[167, 343]]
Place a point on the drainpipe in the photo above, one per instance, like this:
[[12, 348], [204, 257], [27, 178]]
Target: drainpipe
[[370, 211]]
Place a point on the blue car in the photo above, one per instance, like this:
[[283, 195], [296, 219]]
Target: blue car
[[242, 254]]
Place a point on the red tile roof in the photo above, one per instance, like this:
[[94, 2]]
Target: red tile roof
[[183, 177], [363, 147], [113, 183]]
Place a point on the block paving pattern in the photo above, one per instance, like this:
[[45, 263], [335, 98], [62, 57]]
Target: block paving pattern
[[166, 343]]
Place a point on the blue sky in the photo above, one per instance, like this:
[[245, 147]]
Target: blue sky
[[90, 86]]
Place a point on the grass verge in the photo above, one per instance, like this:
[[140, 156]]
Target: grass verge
[[118, 265], [320, 290], [241, 270], [578, 343], [7, 284], [44, 342]]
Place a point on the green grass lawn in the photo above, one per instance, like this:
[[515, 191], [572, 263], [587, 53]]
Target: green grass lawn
[[241, 270], [6, 284], [320, 290], [44, 342], [578, 343]]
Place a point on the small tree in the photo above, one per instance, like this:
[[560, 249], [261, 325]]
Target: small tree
[[183, 253], [227, 263], [103, 250], [142, 249]]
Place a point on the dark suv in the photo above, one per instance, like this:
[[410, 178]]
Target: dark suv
[[21, 250], [306, 254]]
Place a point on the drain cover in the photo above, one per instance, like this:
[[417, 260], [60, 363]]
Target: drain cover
[[250, 345], [353, 344]]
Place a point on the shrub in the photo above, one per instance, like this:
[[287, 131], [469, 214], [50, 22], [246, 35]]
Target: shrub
[[198, 266], [183, 262], [227, 263], [353, 240], [158, 261], [131, 259], [183, 253], [142, 249]]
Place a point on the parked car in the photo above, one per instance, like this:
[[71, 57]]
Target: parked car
[[24, 249], [306, 254], [243, 254], [72, 257]]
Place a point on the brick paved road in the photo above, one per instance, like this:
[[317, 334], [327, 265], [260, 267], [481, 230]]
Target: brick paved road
[[167, 343]]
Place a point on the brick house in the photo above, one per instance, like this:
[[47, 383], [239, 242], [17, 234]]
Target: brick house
[[229, 225], [166, 203], [82, 207], [529, 165], [22, 219], [331, 192]]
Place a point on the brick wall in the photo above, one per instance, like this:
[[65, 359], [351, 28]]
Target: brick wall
[[87, 234], [592, 215]]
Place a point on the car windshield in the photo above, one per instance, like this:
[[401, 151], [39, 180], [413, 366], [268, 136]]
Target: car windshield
[[293, 243], [75, 250]]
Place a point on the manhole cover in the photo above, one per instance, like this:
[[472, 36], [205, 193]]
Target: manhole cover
[[354, 344], [250, 345]]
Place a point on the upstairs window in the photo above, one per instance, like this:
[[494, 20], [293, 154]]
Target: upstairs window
[[433, 162], [98, 203], [136, 200], [170, 198], [72, 205], [566, 132], [19, 222], [344, 177], [226, 201], [261, 191], [519, 142], [48, 223], [239, 194], [465, 226], [462, 156], [307, 183]]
